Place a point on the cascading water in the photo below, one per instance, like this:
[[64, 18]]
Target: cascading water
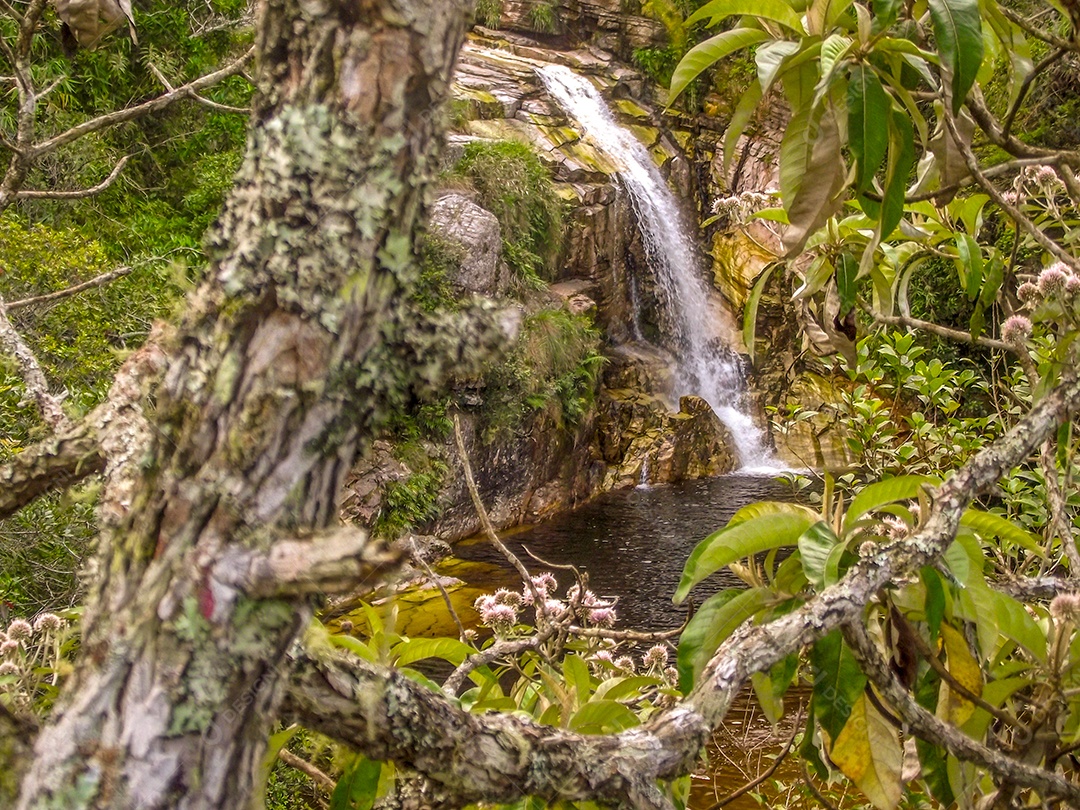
[[706, 367]]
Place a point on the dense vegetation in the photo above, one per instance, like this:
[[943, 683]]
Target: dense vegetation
[[927, 186]]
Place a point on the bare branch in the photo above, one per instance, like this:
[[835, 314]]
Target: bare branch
[[48, 298], [418, 559], [33, 377], [138, 111], [80, 194], [1055, 500], [60, 461], [542, 619], [735, 794], [1017, 216], [930, 728], [300, 764], [329, 562], [939, 330]]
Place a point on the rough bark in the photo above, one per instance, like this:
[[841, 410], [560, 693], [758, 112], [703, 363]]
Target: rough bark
[[295, 346]]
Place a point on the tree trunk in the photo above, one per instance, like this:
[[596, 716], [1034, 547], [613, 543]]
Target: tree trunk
[[295, 345]]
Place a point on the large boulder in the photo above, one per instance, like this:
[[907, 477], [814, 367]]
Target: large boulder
[[482, 270]]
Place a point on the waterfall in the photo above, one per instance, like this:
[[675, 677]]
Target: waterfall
[[706, 366]]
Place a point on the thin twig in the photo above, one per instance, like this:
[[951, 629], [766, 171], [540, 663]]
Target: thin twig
[[938, 329], [97, 281], [763, 776], [1059, 519], [489, 530], [299, 763], [414, 553], [78, 194]]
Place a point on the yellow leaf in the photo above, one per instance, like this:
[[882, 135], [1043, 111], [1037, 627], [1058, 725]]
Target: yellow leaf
[[951, 707], [868, 752]]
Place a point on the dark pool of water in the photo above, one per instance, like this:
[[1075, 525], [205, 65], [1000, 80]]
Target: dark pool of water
[[634, 543]]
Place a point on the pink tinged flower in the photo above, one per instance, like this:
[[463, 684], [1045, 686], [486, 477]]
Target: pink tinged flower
[[1016, 330], [500, 618], [671, 675], [553, 607], [48, 621], [626, 664], [603, 655], [657, 656], [1072, 285], [1046, 176], [20, 630], [9, 646], [1028, 293], [8, 668], [507, 597], [602, 617], [483, 603], [1065, 607], [1052, 280], [1011, 197]]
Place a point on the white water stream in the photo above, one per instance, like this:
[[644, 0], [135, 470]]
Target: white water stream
[[706, 367]]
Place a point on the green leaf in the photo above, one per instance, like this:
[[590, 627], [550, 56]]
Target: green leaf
[[417, 649], [750, 311], [868, 752], [735, 542], [622, 688], [901, 488], [934, 771], [868, 106], [847, 270], [576, 674], [970, 258], [885, 12], [988, 526], [952, 707], [775, 10], [958, 32], [815, 545], [901, 159], [818, 188], [603, 717], [935, 599], [719, 617], [744, 111], [358, 786], [708, 53], [838, 682]]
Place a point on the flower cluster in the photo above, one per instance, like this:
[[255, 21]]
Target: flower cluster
[[738, 208], [1056, 285], [30, 657], [592, 609], [499, 610]]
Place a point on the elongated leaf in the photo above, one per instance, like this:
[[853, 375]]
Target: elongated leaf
[[620, 688], [417, 649], [815, 546], [735, 542], [775, 10], [755, 510], [952, 707], [847, 270], [901, 159], [576, 675], [358, 786], [935, 599], [885, 12], [958, 32], [1016, 624], [750, 312], [838, 682], [719, 617], [988, 526], [970, 257], [739, 119], [901, 488], [708, 53], [603, 717], [818, 195], [769, 59], [868, 752], [868, 107]]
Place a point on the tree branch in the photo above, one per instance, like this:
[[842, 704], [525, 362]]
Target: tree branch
[[97, 281], [938, 329], [80, 194], [930, 728], [33, 377], [139, 110]]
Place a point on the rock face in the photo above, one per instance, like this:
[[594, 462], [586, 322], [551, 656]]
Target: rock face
[[482, 270], [634, 433]]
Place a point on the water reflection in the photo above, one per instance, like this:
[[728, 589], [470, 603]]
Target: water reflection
[[634, 543]]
